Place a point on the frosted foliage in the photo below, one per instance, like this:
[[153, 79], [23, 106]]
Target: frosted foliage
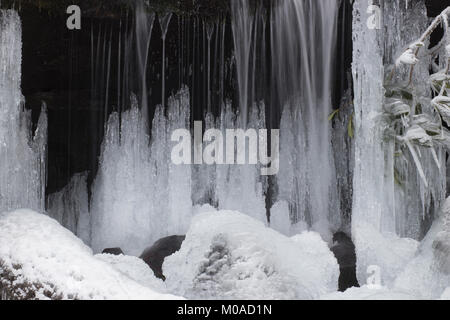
[[393, 197], [139, 195], [43, 260], [303, 78], [415, 201], [229, 255], [70, 207], [22, 155]]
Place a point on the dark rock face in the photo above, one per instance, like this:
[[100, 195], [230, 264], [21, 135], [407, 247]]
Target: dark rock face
[[113, 251], [154, 256], [344, 251]]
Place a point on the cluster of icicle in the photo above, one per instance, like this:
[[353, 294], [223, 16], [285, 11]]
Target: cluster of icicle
[[22, 153], [139, 195]]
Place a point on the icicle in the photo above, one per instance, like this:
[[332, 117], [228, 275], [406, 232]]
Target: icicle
[[22, 155]]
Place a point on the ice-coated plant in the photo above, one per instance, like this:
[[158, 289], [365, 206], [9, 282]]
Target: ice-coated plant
[[418, 118]]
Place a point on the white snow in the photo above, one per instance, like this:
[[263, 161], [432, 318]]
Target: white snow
[[408, 57], [228, 255], [446, 294], [428, 274], [136, 269], [387, 251], [367, 293], [41, 254]]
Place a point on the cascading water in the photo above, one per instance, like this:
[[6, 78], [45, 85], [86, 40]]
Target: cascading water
[[129, 206], [303, 47], [23, 156], [144, 27], [164, 20], [242, 23]]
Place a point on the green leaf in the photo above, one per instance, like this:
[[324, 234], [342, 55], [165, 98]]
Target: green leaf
[[333, 114], [406, 95]]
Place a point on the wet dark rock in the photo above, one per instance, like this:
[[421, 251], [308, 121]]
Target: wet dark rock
[[344, 251], [154, 256], [113, 251]]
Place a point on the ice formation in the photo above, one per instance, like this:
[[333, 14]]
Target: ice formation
[[22, 154], [39, 259], [139, 196], [229, 255], [393, 178], [394, 212], [428, 275], [70, 207]]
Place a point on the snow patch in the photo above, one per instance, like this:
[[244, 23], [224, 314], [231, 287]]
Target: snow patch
[[39, 259], [229, 255]]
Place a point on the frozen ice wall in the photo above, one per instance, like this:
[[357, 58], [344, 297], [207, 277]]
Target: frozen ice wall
[[22, 154], [70, 207], [139, 196], [303, 46], [392, 205], [241, 187]]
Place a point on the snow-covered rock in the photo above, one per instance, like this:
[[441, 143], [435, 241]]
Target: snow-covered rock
[[136, 269], [39, 259], [229, 255]]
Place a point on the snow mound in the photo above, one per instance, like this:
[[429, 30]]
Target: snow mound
[[387, 251], [136, 269], [39, 259], [367, 293], [446, 294], [229, 255], [428, 274]]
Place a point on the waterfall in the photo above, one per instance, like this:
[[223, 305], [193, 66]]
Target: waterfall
[[22, 154], [164, 20], [242, 23], [144, 27], [303, 36]]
